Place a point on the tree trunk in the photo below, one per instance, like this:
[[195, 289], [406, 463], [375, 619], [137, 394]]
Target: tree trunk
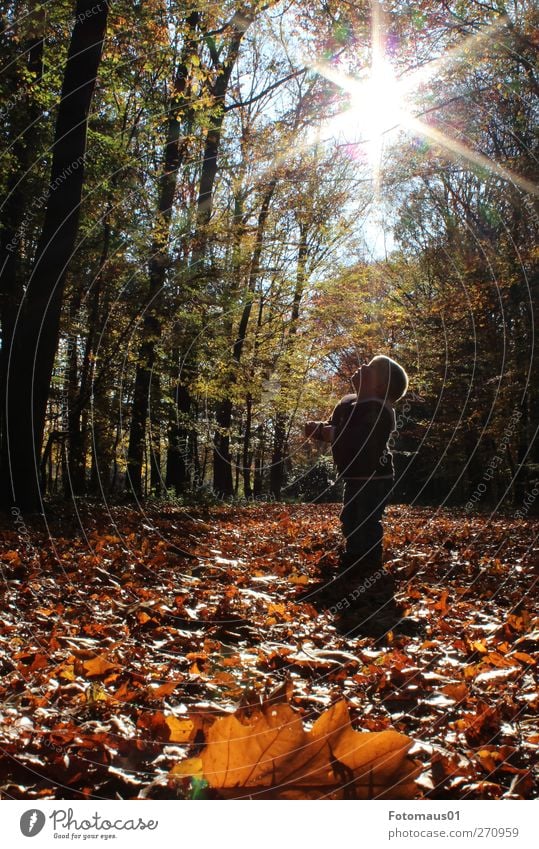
[[74, 483], [177, 474], [80, 396], [156, 478], [279, 456], [32, 347], [246, 455], [258, 483], [13, 205], [277, 472], [209, 169], [175, 151], [222, 469], [222, 460], [105, 443]]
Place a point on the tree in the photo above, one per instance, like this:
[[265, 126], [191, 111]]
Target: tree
[[179, 123], [32, 346]]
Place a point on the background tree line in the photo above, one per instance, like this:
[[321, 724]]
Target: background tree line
[[187, 267]]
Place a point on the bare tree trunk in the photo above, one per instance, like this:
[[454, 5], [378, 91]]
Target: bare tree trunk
[[156, 479], [246, 454], [258, 483], [33, 345], [277, 471], [13, 205], [175, 152], [240, 23], [280, 451], [80, 395], [177, 471], [222, 460], [213, 142]]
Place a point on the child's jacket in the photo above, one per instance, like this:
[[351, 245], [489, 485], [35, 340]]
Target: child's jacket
[[360, 435]]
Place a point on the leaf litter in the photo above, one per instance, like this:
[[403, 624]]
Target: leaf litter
[[181, 653]]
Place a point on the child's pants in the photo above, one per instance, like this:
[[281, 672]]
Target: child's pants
[[361, 519]]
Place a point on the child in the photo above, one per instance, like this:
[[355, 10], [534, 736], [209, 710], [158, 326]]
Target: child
[[359, 431]]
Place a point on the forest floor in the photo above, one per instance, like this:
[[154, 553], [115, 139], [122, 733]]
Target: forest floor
[[124, 634]]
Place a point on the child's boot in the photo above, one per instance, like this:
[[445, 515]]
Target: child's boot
[[372, 608]]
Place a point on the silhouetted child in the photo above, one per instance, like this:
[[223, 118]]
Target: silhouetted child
[[359, 431]]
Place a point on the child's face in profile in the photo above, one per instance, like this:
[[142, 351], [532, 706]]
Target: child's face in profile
[[370, 379]]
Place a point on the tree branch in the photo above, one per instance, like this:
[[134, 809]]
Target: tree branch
[[267, 90]]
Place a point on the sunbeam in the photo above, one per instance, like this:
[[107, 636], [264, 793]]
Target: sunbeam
[[382, 103], [461, 151]]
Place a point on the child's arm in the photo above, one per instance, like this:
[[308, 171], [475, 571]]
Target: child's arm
[[318, 430]]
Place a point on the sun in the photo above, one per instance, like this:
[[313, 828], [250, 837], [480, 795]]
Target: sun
[[377, 108], [381, 105], [377, 101]]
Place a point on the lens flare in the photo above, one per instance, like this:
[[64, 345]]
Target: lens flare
[[381, 103]]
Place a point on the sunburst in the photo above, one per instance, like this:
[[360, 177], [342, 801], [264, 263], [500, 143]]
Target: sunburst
[[381, 104]]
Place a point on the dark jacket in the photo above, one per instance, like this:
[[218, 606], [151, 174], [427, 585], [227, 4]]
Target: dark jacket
[[360, 436]]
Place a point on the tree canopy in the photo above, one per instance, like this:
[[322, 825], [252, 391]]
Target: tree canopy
[[260, 196]]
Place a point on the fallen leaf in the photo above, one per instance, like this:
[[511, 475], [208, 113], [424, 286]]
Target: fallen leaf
[[98, 666], [271, 753], [497, 676], [458, 692], [96, 693], [188, 767], [164, 689], [181, 730]]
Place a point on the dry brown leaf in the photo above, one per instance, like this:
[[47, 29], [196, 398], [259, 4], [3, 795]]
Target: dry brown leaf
[[12, 557], [67, 672], [523, 657], [98, 666], [468, 690], [96, 693], [496, 659], [164, 689], [378, 759], [271, 751], [456, 691], [181, 730], [299, 580]]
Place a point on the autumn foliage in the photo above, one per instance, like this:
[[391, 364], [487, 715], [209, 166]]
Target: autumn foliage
[[174, 653], [271, 754]]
